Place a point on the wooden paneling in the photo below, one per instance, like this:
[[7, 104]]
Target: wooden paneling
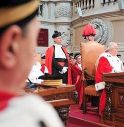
[[114, 110]]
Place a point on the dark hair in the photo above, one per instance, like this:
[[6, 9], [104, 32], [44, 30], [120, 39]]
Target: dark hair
[[12, 3], [56, 34], [43, 56], [85, 37], [71, 54], [77, 55], [22, 23]]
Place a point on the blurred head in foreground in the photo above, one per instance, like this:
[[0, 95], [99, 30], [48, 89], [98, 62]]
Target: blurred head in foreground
[[18, 35]]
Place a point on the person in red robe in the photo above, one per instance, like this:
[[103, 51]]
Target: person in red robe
[[107, 62], [57, 59], [77, 78], [89, 32]]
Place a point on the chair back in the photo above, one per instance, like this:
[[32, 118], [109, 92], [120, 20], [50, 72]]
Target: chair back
[[90, 52]]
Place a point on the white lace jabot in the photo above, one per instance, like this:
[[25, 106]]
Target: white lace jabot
[[59, 52]]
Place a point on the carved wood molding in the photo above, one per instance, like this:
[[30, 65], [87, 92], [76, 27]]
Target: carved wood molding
[[108, 107]]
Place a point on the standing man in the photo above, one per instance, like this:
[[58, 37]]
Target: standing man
[[18, 38], [57, 59], [89, 33], [77, 78]]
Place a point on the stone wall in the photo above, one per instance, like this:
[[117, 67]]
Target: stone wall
[[108, 20], [108, 29], [56, 15]]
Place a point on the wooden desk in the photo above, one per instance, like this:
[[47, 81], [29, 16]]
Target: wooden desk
[[60, 97], [114, 110]]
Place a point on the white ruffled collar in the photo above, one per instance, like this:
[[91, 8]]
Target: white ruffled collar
[[57, 45]]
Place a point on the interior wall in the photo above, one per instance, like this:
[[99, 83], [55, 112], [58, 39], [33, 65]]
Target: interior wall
[[118, 30], [77, 38]]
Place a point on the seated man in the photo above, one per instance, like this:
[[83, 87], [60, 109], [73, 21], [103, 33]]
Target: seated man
[[108, 62], [35, 71]]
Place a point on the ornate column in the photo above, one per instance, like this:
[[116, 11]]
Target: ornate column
[[108, 107]]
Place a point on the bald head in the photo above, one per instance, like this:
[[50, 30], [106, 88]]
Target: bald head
[[112, 47]]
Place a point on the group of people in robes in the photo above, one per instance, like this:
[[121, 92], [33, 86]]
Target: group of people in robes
[[57, 63], [18, 38], [64, 66], [107, 62], [60, 64]]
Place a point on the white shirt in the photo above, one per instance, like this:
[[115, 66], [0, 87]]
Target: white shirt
[[59, 52], [79, 65], [35, 73], [29, 111]]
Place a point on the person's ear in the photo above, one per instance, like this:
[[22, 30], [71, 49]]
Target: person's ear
[[9, 46]]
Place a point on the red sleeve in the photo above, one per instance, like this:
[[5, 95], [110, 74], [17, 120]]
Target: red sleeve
[[48, 61], [76, 72], [103, 67], [69, 66]]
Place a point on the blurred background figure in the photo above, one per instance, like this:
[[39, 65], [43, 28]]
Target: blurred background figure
[[43, 66], [71, 57], [78, 60], [35, 71], [76, 75]]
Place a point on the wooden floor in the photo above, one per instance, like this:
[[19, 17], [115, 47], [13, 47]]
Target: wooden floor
[[78, 119]]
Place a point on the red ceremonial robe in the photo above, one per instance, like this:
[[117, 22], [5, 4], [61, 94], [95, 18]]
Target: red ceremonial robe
[[48, 61], [103, 67], [5, 97], [77, 81]]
